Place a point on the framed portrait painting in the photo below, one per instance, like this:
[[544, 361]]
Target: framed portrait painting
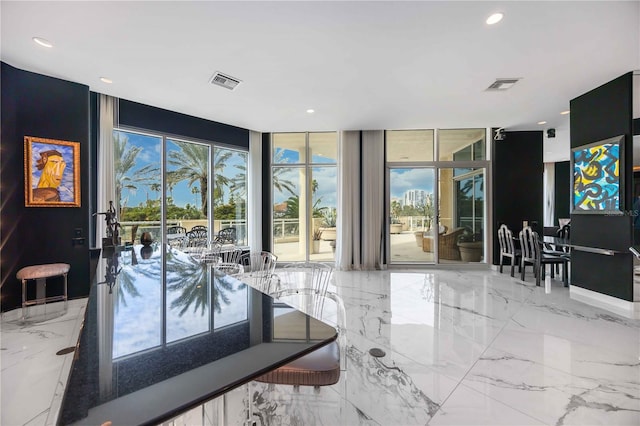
[[52, 173]]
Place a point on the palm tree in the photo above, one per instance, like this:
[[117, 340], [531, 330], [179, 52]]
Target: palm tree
[[192, 162], [239, 181], [155, 187], [195, 190], [125, 160], [220, 158], [278, 183]]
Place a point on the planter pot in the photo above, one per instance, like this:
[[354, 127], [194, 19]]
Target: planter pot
[[419, 235], [328, 234], [471, 251], [146, 239], [395, 228], [315, 248]]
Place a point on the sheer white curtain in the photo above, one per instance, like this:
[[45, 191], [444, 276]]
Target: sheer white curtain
[[549, 193], [108, 110], [106, 171], [348, 238], [373, 196], [254, 192]]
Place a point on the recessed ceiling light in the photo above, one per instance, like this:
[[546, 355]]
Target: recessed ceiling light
[[495, 18], [42, 42], [565, 112], [106, 80], [311, 111], [542, 122]]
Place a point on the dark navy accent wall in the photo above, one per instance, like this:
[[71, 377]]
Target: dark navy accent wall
[[267, 200], [600, 114], [40, 106], [562, 191], [148, 117], [517, 183]]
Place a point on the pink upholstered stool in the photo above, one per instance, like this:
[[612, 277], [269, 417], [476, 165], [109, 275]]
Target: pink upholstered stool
[[42, 272]]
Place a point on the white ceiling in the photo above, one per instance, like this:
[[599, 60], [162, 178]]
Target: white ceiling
[[360, 65]]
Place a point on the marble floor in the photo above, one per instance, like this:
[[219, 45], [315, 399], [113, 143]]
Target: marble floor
[[462, 348]]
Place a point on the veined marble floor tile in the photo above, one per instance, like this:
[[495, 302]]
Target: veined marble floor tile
[[393, 389], [446, 353], [468, 407], [572, 357], [579, 322], [551, 395]]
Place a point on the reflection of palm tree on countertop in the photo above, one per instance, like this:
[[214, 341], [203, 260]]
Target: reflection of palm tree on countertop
[[185, 276]]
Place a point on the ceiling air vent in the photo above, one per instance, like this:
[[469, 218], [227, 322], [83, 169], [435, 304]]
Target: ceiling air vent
[[224, 80], [502, 84]]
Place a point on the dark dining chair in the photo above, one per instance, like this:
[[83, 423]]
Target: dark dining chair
[[532, 254], [564, 232], [176, 230], [197, 238], [227, 236], [507, 248]]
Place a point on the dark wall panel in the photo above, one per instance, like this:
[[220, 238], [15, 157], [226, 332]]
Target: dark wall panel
[[517, 183], [600, 114], [142, 116], [267, 200], [40, 106], [562, 191]]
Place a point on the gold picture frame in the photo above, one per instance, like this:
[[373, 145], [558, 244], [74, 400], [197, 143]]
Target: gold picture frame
[[51, 173]]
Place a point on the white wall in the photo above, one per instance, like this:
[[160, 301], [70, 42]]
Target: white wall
[[559, 148]]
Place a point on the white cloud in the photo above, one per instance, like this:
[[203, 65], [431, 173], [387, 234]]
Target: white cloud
[[403, 180]]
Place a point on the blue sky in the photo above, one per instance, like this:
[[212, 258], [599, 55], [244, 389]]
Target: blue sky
[[403, 180], [151, 154], [325, 176]]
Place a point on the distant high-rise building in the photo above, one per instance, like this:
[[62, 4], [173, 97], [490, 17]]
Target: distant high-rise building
[[415, 198]]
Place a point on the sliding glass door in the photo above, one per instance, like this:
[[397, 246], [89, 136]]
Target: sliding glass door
[[412, 214], [436, 207], [166, 187]]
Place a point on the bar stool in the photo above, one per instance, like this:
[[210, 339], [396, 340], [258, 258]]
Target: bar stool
[[42, 272]]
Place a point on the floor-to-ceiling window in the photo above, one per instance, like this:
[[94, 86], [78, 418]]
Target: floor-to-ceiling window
[[304, 183], [163, 183], [436, 182], [138, 183]]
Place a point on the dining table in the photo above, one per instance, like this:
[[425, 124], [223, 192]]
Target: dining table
[[164, 333]]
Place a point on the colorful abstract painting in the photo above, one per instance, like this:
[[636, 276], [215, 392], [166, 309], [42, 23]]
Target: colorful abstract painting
[[596, 177]]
